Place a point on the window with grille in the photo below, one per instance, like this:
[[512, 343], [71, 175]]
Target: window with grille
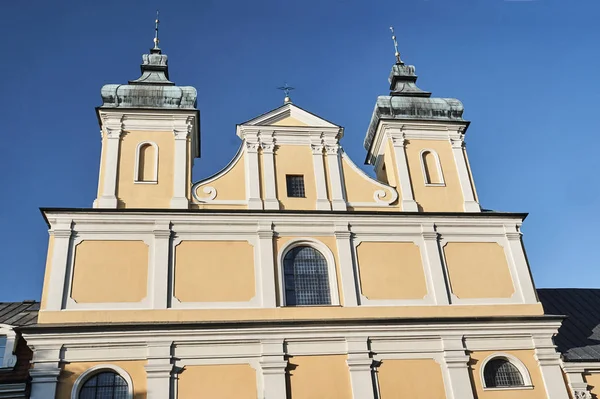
[[2, 347], [500, 373], [295, 186], [306, 278], [104, 385]]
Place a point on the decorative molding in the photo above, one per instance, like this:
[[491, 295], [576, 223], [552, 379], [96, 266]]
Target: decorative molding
[[8, 359], [378, 195]]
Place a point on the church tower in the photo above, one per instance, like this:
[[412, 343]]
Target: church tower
[[150, 137]]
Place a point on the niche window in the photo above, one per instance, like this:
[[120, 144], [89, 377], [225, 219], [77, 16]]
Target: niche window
[[295, 186], [305, 277], [432, 168], [106, 384], [146, 163], [500, 372]]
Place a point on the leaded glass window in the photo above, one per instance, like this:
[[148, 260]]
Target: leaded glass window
[[104, 385], [306, 278], [499, 373], [295, 186]]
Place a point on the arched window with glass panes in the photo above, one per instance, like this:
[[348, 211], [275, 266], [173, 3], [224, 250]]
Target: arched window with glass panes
[[501, 373], [103, 383], [306, 277]]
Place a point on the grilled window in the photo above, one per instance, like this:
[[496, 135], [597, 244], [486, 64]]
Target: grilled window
[[2, 347], [500, 373], [104, 385], [295, 186], [305, 277]]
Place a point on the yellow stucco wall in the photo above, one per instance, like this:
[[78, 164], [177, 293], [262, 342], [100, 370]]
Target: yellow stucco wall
[[139, 195], [289, 121], [72, 371], [110, 271], [295, 160], [391, 270], [312, 377], [448, 198], [289, 313], [214, 271], [478, 270], [230, 186], [593, 380], [329, 242], [217, 382], [525, 356], [411, 378], [360, 188], [47, 272]]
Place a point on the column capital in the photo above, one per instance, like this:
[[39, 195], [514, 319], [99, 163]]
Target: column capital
[[317, 148], [267, 148], [457, 141], [582, 394], [332, 149], [252, 146], [398, 140]]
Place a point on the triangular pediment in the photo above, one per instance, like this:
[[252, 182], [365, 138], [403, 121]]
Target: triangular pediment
[[289, 115]]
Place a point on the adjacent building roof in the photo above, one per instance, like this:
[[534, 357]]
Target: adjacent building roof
[[578, 338], [19, 314]]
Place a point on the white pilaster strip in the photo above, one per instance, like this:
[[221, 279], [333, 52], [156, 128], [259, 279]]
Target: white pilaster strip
[[320, 180], [549, 360], [517, 253], [360, 366], [113, 130], [579, 387], [158, 275], [434, 268], [45, 371], [179, 200], [457, 380], [273, 368], [471, 204], [252, 175], [159, 371], [268, 178], [58, 270], [408, 201], [343, 238], [338, 201], [266, 268]]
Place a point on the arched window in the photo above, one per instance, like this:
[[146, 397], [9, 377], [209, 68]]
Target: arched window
[[501, 373], [432, 168], [103, 382], [146, 163], [306, 278]]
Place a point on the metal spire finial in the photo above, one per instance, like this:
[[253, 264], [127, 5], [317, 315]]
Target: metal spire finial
[[156, 33], [286, 89], [397, 53]]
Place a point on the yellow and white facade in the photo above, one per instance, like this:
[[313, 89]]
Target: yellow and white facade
[[180, 287]]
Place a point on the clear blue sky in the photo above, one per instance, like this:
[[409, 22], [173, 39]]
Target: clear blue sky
[[526, 71]]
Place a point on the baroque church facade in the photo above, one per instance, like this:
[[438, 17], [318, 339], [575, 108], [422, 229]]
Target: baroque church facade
[[290, 273]]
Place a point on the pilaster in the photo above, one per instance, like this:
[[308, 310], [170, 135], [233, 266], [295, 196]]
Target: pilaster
[[408, 202], [158, 277], [438, 288], [266, 267], [159, 371], [252, 174], [180, 159], [273, 369], [550, 366], [45, 371], [517, 253], [360, 366], [113, 128], [268, 178], [60, 258], [470, 203], [334, 165], [457, 380], [320, 179], [343, 238], [579, 387]]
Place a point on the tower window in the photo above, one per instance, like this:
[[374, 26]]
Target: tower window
[[295, 186], [305, 277], [501, 373]]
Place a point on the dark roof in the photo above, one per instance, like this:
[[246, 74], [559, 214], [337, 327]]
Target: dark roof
[[578, 338], [19, 313]]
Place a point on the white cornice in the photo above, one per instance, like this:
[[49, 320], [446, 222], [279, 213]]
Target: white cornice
[[286, 111]]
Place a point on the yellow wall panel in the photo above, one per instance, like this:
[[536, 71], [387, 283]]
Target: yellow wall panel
[[232, 381], [110, 271], [478, 270], [295, 160], [312, 377], [214, 271], [411, 378], [391, 270], [72, 371], [525, 356]]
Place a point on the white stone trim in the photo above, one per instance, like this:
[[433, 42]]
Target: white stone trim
[[348, 270], [8, 359], [320, 180], [98, 369], [136, 171], [438, 166], [252, 174], [266, 268], [466, 185], [527, 384], [360, 367], [331, 267], [336, 176], [61, 230], [378, 195], [181, 133], [268, 175], [550, 365], [285, 111], [112, 126], [408, 200]]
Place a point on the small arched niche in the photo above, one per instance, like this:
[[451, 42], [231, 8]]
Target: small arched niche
[[432, 168], [146, 163]]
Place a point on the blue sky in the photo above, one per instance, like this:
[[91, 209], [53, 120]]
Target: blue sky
[[526, 71]]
